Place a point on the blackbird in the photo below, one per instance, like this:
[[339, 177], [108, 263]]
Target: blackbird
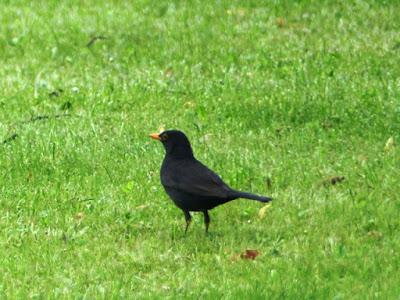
[[190, 184]]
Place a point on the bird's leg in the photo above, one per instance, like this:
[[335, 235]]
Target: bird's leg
[[206, 219], [188, 219]]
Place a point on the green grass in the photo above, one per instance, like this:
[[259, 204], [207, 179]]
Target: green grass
[[294, 91]]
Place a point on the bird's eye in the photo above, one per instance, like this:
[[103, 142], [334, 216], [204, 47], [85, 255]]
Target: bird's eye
[[164, 137]]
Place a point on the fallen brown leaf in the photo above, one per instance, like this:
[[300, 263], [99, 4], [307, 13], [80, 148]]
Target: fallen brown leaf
[[250, 254]]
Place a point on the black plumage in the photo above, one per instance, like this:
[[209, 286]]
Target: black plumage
[[190, 184]]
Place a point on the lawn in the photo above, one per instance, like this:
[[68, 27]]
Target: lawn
[[278, 97]]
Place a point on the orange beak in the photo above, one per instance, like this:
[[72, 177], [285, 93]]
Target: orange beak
[[155, 136]]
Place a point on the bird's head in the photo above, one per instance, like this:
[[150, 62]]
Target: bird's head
[[175, 143]]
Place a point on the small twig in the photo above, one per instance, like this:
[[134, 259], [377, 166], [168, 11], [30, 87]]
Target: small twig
[[86, 199], [95, 39], [79, 199], [45, 117], [108, 174], [38, 118]]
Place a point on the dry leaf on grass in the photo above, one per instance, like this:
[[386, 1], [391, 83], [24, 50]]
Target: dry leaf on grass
[[262, 211], [250, 254]]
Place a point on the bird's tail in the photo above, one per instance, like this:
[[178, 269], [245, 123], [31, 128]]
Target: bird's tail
[[245, 195]]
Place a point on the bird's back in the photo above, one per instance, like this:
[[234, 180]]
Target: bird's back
[[190, 179]]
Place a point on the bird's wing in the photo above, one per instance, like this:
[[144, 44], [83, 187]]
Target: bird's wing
[[195, 178]]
